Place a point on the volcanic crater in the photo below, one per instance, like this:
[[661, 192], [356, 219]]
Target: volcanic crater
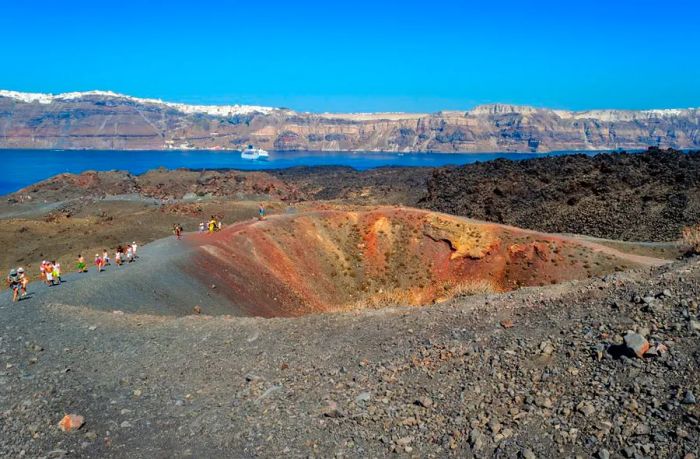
[[340, 260]]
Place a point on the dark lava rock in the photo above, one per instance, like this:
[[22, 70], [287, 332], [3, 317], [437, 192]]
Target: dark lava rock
[[645, 196]]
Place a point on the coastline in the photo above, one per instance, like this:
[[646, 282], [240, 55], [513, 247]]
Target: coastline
[[52, 162], [329, 151]]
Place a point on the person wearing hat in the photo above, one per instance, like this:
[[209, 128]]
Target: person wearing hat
[[14, 283], [99, 262]]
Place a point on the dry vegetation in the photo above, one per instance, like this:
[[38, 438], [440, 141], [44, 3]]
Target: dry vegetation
[[473, 287]]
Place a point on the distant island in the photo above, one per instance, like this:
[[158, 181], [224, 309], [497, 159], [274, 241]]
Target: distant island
[[106, 120]]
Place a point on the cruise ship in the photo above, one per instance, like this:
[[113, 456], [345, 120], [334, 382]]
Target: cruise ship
[[254, 153]]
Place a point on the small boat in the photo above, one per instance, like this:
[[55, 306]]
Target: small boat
[[254, 153]]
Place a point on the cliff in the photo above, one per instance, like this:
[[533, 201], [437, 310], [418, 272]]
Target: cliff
[[106, 120]]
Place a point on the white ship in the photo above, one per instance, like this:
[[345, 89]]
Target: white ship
[[254, 153]]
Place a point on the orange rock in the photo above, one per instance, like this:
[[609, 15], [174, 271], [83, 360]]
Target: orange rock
[[71, 422], [507, 323], [197, 309]]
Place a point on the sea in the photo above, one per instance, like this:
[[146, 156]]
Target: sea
[[25, 167]]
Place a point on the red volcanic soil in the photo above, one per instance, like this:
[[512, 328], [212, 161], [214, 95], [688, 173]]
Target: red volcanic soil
[[339, 260]]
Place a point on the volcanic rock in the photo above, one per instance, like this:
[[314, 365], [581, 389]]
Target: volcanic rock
[[637, 344], [645, 197], [71, 422]]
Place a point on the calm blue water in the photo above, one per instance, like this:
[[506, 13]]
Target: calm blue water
[[24, 167]]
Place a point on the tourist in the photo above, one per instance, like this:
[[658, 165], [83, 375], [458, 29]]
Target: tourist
[[201, 227], [99, 262], [134, 246], [48, 271], [42, 271], [130, 253], [24, 281], [118, 255], [177, 229], [261, 211], [212, 224], [56, 272], [105, 257], [81, 265], [14, 282]]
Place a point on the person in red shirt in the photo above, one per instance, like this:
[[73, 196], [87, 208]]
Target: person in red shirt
[[99, 262]]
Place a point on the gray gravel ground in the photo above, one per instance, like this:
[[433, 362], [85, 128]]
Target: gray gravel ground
[[455, 379]]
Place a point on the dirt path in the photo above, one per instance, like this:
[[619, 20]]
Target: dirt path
[[595, 244], [153, 284]]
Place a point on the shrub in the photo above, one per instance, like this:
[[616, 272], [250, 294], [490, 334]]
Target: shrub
[[691, 236]]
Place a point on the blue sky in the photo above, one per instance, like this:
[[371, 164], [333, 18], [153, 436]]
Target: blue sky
[[360, 55]]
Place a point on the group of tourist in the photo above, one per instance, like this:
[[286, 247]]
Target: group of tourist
[[50, 271], [214, 224], [121, 255], [17, 280]]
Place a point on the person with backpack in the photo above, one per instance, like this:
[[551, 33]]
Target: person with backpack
[[14, 282]]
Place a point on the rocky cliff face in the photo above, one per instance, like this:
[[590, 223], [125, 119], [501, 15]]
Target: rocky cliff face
[[103, 120]]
